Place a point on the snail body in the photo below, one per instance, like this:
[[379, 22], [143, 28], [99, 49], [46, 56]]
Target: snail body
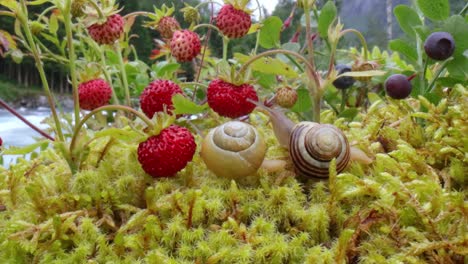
[[233, 150]]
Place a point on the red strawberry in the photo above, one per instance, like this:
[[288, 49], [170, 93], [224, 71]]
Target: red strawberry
[[1, 142], [230, 100], [167, 26], [185, 45], [94, 94], [109, 31], [234, 23], [167, 153], [157, 95]]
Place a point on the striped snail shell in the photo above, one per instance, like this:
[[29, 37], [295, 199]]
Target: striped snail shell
[[233, 150], [312, 146]]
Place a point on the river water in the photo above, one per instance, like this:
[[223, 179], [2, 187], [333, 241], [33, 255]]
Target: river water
[[15, 133]]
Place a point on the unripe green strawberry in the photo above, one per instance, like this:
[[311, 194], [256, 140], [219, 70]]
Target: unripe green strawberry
[[191, 14], [77, 8], [286, 97]]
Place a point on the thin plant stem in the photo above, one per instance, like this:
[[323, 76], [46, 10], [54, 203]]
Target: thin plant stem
[[107, 108], [207, 26], [464, 9], [72, 63], [423, 84], [108, 77], [225, 48], [123, 74], [40, 68], [437, 75], [31, 125], [344, 98], [361, 38]]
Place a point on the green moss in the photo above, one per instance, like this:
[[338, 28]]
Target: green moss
[[408, 206]]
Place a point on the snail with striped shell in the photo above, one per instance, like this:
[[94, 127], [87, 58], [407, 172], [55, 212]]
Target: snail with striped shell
[[312, 146], [233, 150]]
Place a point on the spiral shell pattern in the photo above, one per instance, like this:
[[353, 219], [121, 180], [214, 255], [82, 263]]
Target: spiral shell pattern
[[233, 150], [312, 146]]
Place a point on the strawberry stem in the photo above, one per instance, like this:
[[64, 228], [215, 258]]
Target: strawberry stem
[[361, 38], [107, 108], [123, 73], [72, 61], [23, 19]]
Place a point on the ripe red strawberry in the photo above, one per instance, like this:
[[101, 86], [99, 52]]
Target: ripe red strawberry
[[167, 26], [234, 23], [167, 153], [185, 45], [109, 31], [94, 94], [1, 142], [230, 100], [157, 95]]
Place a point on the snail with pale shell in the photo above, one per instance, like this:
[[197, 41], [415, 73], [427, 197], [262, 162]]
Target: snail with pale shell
[[235, 149]]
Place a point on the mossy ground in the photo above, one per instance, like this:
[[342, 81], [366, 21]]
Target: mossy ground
[[409, 206]]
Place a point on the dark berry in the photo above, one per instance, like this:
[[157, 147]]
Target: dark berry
[[439, 45], [343, 82], [397, 86]]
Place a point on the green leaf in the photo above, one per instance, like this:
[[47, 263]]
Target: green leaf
[[435, 9], [407, 19], [25, 150], [327, 16], [349, 113], [270, 32], [165, 69], [267, 81], [183, 105], [53, 24], [458, 28], [404, 48], [303, 104], [269, 65]]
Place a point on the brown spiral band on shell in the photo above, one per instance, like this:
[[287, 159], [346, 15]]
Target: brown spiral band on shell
[[312, 146]]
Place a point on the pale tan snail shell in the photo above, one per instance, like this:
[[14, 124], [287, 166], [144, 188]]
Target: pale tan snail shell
[[233, 150], [312, 145]]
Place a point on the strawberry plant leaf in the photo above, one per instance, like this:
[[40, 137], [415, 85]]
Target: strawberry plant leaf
[[27, 149], [269, 65], [303, 103], [327, 15], [53, 24], [408, 19], [183, 105], [349, 113], [270, 32], [435, 9]]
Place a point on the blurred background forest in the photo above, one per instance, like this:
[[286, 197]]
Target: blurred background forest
[[373, 18]]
